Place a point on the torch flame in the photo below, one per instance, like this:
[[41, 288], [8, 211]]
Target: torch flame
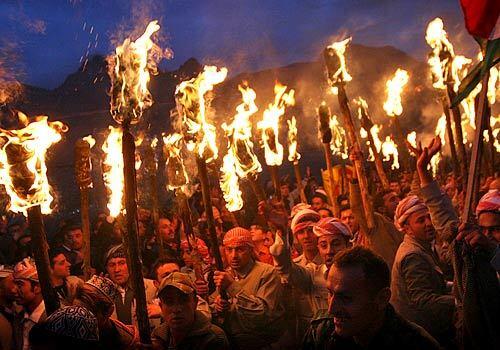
[[129, 70], [270, 124], [90, 140], [113, 170], [412, 139], [394, 88], [389, 148], [229, 183], [338, 145], [23, 171], [177, 175], [200, 135], [442, 53], [239, 133], [293, 154], [337, 51], [441, 132]]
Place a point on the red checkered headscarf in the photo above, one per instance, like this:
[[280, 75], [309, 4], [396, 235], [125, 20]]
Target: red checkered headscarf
[[490, 202], [26, 270], [237, 237]]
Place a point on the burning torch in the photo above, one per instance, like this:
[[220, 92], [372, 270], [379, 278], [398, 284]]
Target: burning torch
[[129, 69], [368, 125], [394, 108], [23, 172], [441, 63], [325, 131], [338, 76], [239, 134], [83, 176], [294, 156], [200, 136], [269, 126]]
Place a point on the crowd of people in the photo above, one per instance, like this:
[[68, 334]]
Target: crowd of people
[[295, 276]]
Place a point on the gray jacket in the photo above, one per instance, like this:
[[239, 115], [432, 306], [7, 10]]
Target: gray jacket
[[418, 286]]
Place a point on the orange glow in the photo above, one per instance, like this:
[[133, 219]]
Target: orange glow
[[23, 171]]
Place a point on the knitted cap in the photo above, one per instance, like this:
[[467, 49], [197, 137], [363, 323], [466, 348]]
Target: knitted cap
[[73, 321], [26, 269], [238, 237], [104, 285]]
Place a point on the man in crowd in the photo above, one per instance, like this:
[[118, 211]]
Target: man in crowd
[[116, 266], [71, 327], [64, 284], [72, 247], [163, 268], [260, 239], [310, 280], [319, 200], [359, 315], [8, 293], [253, 311], [419, 291], [29, 296], [384, 238], [184, 326], [98, 295]]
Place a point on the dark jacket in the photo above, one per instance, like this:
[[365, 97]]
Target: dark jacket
[[202, 336], [395, 333]]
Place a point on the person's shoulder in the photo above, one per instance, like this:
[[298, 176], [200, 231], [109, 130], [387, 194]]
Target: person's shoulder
[[264, 268], [414, 336], [320, 329], [74, 280]]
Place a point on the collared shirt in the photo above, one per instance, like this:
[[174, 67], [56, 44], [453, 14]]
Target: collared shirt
[[29, 320]]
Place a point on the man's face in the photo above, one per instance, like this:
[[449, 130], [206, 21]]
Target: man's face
[[490, 225], [238, 257], [324, 213], [317, 203], [307, 239], [258, 234], [141, 227], [8, 289], [118, 270], [419, 225], [15, 231], [285, 190], [391, 201], [329, 245], [143, 215], [27, 291], [74, 239], [347, 217], [395, 187], [164, 270], [165, 229], [352, 304], [61, 268], [178, 308]]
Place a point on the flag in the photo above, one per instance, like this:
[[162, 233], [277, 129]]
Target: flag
[[481, 17], [481, 21]]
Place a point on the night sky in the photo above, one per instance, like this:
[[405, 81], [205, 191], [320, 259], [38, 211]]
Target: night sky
[[51, 38]]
